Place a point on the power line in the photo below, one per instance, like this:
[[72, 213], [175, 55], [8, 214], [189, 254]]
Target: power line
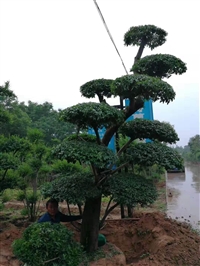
[[104, 22]]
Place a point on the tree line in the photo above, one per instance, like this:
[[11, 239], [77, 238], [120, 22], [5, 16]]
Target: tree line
[[191, 152]]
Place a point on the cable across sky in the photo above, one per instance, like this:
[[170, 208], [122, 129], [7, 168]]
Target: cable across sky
[[104, 22]]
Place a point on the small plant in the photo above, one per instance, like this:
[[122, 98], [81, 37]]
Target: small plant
[[1, 206], [31, 203], [143, 233], [196, 231], [145, 255], [24, 212], [5, 197], [47, 244]]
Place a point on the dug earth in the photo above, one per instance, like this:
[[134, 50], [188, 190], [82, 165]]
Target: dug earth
[[154, 240]]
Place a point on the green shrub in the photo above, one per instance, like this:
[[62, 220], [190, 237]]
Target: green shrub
[[20, 196], [5, 197], [1, 206], [42, 242], [24, 212]]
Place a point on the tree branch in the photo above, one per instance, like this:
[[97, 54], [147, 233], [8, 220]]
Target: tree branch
[[120, 167], [47, 261], [106, 214], [135, 104], [112, 172], [124, 147], [111, 198], [97, 135], [140, 50], [4, 175], [95, 173]]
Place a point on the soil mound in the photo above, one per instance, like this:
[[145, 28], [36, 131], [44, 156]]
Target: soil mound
[[155, 240]]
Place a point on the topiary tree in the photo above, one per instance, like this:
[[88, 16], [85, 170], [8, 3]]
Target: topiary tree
[[104, 177], [54, 246]]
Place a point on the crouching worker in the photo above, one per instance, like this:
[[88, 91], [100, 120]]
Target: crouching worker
[[53, 215]]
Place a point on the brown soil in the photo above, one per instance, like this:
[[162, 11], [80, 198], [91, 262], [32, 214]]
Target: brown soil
[[154, 240]]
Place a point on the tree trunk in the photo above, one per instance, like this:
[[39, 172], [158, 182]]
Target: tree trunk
[[90, 224], [122, 211], [80, 209], [130, 211]]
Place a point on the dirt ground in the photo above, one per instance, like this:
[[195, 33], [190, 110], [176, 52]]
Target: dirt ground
[[154, 240]]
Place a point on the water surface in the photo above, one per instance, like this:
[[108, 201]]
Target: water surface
[[183, 203]]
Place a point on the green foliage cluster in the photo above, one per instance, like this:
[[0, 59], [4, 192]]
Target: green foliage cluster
[[150, 35], [17, 118], [159, 65], [95, 115], [73, 188], [146, 87], [82, 137], [154, 130], [99, 87], [130, 189], [43, 242], [149, 154], [85, 152]]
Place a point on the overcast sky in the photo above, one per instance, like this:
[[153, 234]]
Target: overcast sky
[[49, 48]]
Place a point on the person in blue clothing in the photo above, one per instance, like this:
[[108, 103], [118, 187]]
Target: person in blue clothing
[[53, 215]]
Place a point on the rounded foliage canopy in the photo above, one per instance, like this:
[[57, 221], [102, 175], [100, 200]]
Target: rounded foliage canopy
[[154, 130], [130, 189], [159, 65], [149, 154], [100, 87], [45, 241], [146, 87], [85, 152], [74, 188], [150, 35], [94, 115]]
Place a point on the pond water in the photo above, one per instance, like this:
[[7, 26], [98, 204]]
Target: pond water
[[183, 195]]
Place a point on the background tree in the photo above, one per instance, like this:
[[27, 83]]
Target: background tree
[[13, 152], [13, 121], [104, 177], [191, 152], [45, 118]]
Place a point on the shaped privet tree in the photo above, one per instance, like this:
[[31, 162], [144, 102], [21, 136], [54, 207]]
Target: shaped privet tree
[[104, 179]]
